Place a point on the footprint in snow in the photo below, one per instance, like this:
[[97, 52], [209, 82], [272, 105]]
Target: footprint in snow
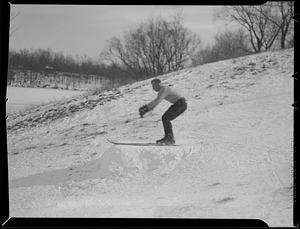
[[225, 200], [214, 185]]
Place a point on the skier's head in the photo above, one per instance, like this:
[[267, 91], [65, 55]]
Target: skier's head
[[156, 84]]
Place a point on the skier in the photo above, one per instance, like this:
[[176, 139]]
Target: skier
[[178, 107]]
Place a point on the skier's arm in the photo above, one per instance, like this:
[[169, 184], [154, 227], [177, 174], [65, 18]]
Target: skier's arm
[[161, 95]]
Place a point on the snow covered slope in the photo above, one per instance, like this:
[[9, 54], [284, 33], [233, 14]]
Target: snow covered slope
[[235, 158]]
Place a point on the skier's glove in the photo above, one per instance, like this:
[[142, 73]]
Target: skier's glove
[[143, 110]]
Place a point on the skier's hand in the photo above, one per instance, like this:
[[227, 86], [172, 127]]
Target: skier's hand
[[143, 110]]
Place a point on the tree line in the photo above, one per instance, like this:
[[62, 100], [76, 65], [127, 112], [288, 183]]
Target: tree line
[[48, 61], [157, 45]]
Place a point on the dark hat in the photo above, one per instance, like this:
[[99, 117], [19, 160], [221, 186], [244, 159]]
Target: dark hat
[[158, 81]]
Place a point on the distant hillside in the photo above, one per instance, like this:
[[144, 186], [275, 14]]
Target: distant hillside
[[57, 80]]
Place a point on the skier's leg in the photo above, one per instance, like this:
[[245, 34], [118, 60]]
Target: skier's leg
[[173, 112], [166, 120]]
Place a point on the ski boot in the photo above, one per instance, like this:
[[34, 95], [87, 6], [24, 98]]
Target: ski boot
[[167, 140], [161, 140]]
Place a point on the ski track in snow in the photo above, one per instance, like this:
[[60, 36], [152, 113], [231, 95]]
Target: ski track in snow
[[235, 158]]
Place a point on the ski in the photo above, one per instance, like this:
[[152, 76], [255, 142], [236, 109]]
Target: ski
[[137, 143]]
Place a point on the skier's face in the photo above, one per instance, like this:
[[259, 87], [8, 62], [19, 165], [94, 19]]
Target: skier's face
[[155, 86]]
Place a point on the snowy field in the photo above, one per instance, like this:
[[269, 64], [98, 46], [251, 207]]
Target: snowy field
[[235, 158], [20, 98]]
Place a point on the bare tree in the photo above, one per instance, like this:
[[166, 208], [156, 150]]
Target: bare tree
[[154, 47], [177, 40], [256, 20], [281, 18], [116, 54]]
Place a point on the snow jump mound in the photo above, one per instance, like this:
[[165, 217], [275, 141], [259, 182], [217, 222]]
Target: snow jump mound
[[115, 162], [123, 160]]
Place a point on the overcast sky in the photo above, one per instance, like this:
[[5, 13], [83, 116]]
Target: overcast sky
[[84, 30]]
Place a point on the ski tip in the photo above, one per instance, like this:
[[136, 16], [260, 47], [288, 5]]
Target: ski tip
[[110, 141]]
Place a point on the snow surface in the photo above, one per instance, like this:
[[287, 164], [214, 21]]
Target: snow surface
[[235, 158], [20, 98]]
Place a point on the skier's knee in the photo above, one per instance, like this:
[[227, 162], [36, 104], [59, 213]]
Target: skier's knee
[[165, 118]]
